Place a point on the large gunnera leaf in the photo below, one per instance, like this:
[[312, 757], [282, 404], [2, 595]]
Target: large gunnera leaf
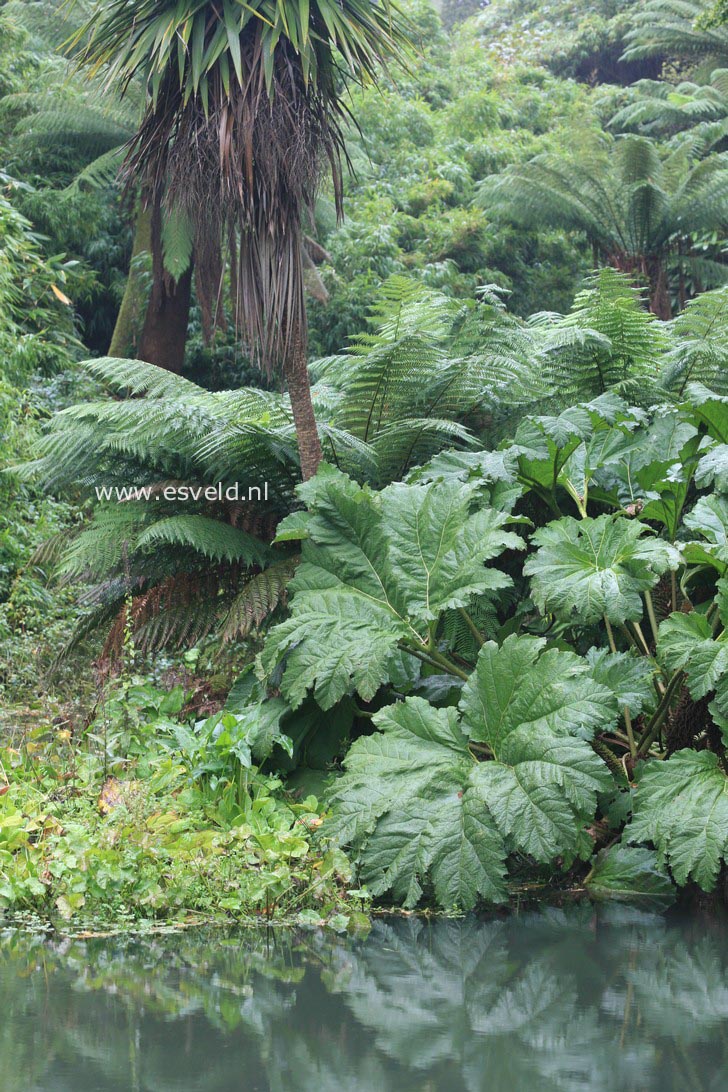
[[585, 569], [441, 796], [378, 569], [709, 520], [686, 643], [628, 676], [681, 807], [631, 874]]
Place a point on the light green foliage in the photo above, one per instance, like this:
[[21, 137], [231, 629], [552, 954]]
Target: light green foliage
[[427, 138], [699, 355], [153, 818], [61, 139], [571, 39], [591, 568], [607, 342], [573, 449], [36, 319]]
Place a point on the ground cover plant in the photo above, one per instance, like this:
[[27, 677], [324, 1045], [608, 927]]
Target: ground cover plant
[[158, 815]]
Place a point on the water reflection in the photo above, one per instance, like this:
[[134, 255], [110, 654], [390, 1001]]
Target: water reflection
[[554, 1001]]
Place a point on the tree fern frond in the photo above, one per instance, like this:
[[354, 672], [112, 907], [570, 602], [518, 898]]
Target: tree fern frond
[[412, 441], [259, 597], [101, 172], [700, 352], [209, 537], [607, 340], [137, 377], [104, 544], [673, 28], [169, 627]]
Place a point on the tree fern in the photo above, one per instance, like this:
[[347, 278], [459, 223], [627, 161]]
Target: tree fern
[[660, 108], [389, 404], [675, 29], [635, 206], [607, 342]]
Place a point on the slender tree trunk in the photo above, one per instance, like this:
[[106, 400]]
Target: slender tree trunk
[[681, 287], [164, 333], [299, 390], [659, 293], [134, 302]]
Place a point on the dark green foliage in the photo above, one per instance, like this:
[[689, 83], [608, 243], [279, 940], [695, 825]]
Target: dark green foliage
[[493, 625], [434, 370]]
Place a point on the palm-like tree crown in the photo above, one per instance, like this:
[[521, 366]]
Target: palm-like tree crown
[[244, 108], [657, 108]]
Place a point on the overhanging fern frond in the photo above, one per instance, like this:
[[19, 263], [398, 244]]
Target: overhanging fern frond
[[209, 537], [258, 598]]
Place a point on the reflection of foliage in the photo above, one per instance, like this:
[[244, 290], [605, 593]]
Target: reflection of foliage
[[561, 1000]]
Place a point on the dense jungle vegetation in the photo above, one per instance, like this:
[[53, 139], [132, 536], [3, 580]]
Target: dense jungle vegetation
[[364, 432]]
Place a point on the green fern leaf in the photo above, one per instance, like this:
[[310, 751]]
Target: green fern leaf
[[209, 537]]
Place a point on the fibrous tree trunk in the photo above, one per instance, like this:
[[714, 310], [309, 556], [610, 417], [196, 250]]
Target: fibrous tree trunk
[[659, 292]]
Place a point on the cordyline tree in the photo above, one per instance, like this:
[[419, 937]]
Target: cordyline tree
[[244, 112]]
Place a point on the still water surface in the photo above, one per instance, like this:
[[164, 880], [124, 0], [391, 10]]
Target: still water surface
[[584, 999]]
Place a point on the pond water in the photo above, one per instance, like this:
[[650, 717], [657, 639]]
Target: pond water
[[577, 999]]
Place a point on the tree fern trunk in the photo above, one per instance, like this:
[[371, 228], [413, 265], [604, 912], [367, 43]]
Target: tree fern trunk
[[299, 390], [126, 330], [659, 291], [164, 334]]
